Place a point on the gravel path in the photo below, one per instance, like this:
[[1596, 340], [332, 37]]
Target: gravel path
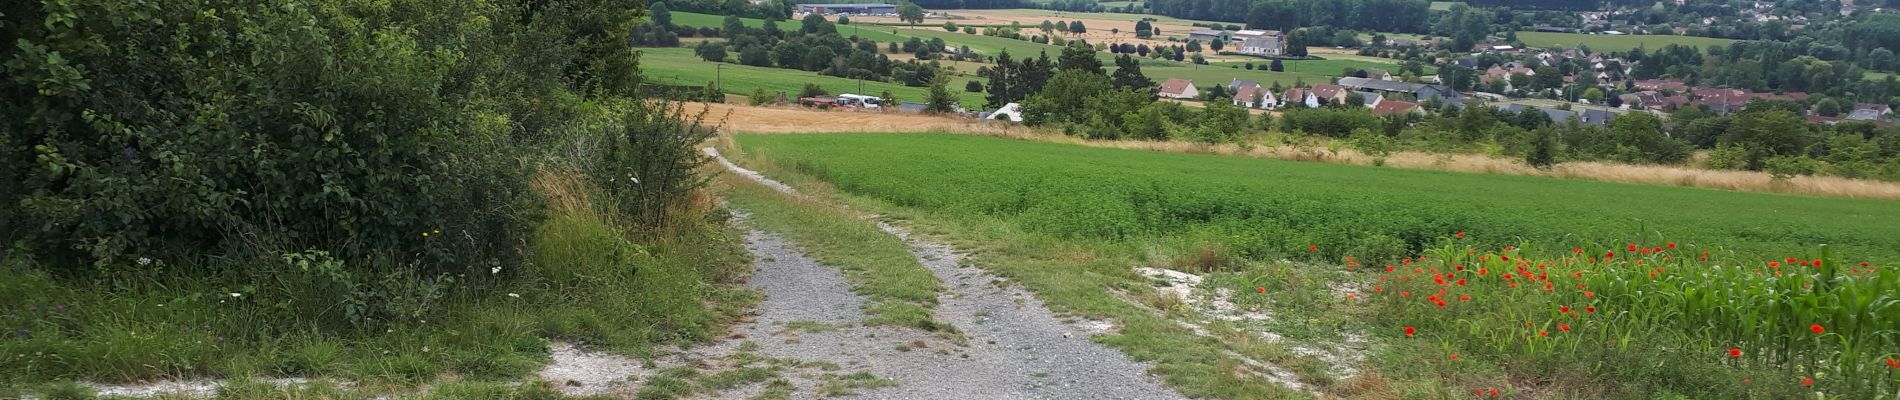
[[1011, 347]]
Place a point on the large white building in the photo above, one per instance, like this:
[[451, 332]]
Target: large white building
[[1260, 43]]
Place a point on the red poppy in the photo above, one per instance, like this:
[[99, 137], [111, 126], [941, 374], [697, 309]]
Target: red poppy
[[1609, 255], [1312, 247], [1513, 285], [1774, 264], [1578, 250], [1502, 257], [1817, 263], [1461, 282], [1735, 352], [1483, 270], [1407, 261], [1817, 329], [1262, 289], [1461, 234], [1576, 274], [1791, 260], [1494, 393], [1405, 293], [1895, 364], [1564, 309], [1464, 297], [1590, 309], [1454, 357], [1632, 247], [1409, 331], [1543, 333], [1563, 327], [1389, 268], [1378, 288], [1672, 245], [1807, 381], [1702, 259], [1863, 263], [1587, 293]]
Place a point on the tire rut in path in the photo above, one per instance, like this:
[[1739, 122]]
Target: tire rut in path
[[1012, 346]]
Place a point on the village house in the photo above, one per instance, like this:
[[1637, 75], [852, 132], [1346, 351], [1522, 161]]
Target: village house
[[1254, 97], [1870, 112], [1330, 94], [1395, 107], [1300, 96], [848, 9], [1176, 88]]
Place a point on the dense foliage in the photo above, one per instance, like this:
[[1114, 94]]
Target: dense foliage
[[817, 46]]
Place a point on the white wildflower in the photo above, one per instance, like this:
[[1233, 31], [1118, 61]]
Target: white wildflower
[[495, 270], [236, 295], [514, 295], [144, 261]]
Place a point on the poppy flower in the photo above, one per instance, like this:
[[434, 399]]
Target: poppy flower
[[1564, 309], [1702, 259], [1817, 263], [1262, 289], [1464, 297], [1609, 255], [1563, 327], [1541, 332], [1672, 245], [1378, 288], [1405, 293], [1774, 264], [1502, 257], [1461, 282], [1389, 268], [1587, 293], [1494, 393], [1590, 309], [1735, 352], [1312, 247], [1893, 363], [1410, 331], [1576, 274], [1807, 381], [1454, 357], [1461, 234], [1817, 329], [1863, 263], [1483, 270], [1578, 250], [1632, 247]]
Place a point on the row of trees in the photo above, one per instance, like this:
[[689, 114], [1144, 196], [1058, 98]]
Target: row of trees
[[817, 46]]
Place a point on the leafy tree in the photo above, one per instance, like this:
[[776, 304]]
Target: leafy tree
[[1062, 98], [1143, 30], [1061, 26], [1080, 59], [1276, 66], [911, 12], [1639, 138], [1217, 44], [1077, 28], [950, 26], [973, 86], [1194, 46], [733, 26], [1128, 74], [1047, 27], [755, 55], [709, 51], [664, 18], [844, 20], [1765, 134], [812, 90], [1543, 152], [941, 100]]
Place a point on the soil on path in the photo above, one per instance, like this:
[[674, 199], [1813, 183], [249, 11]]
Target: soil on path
[[1007, 345]]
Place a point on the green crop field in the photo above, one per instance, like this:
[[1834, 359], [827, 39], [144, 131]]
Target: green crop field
[[1268, 207], [869, 32], [679, 66], [1469, 283], [1444, 5], [1617, 43]]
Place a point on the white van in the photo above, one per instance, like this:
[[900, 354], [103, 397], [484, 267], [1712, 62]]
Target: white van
[[857, 100]]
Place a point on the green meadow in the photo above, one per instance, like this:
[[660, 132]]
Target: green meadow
[[678, 66]]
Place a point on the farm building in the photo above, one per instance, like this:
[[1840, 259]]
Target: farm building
[[1207, 35], [1176, 88], [851, 9], [1260, 43]]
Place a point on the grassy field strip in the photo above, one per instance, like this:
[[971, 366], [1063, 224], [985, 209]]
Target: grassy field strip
[[679, 66], [1088, 280], [1347, 210], [880, 266], [1616, 43]]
